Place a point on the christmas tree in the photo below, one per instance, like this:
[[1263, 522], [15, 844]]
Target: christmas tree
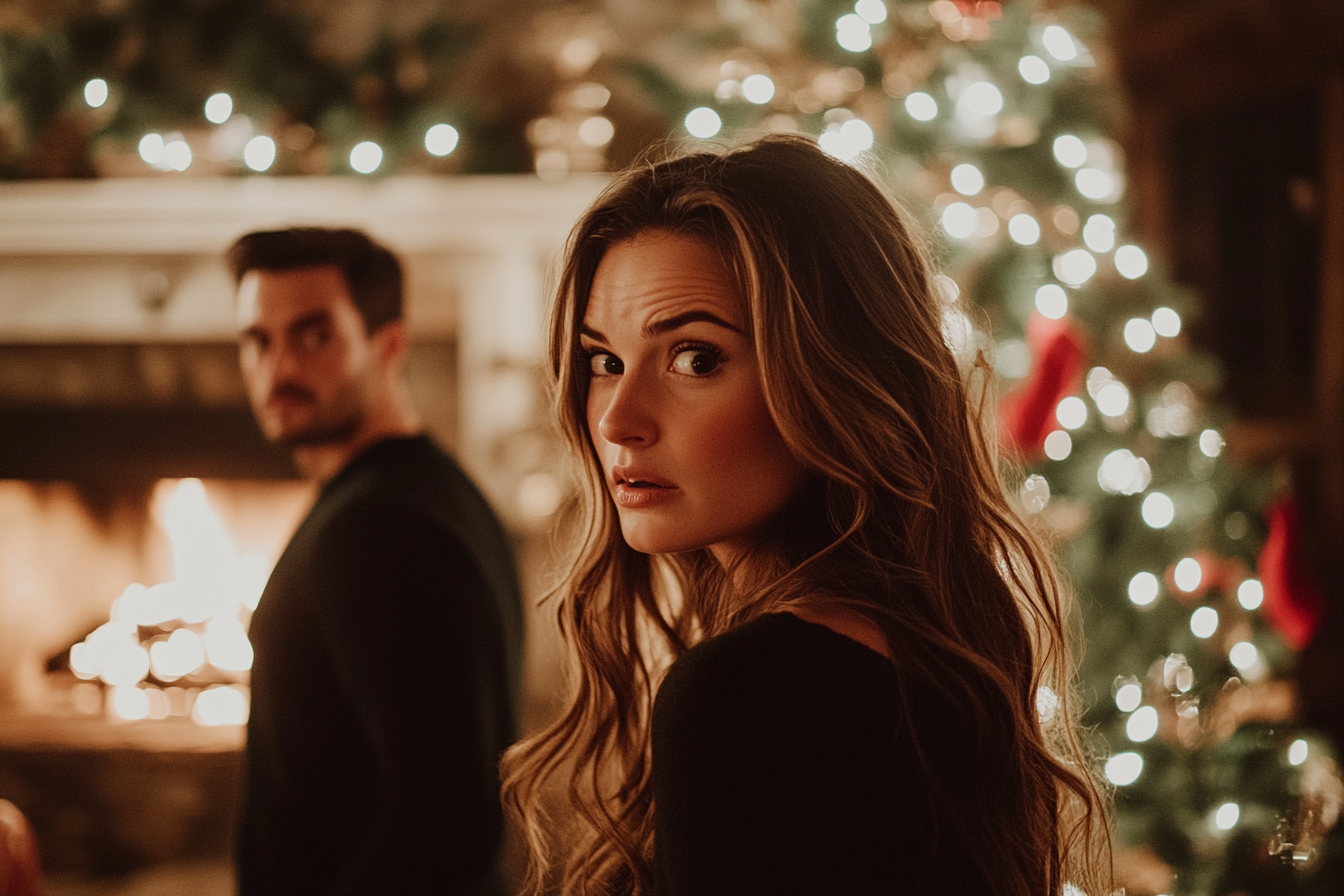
[[992, 123]]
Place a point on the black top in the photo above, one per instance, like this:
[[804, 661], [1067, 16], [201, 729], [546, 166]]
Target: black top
[[781, 765], [387, 649]]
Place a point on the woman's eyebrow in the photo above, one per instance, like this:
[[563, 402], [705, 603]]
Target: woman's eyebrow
[[585, 330], [667, 324]]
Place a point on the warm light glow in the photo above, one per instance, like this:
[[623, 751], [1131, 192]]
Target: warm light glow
[[1140, 335], [441, 139], [259, 153], [1012, 359], [218, 108], [1095, 183], [986, 222], [959, 220], [1075, 267], [227, 705], [981, 99], [1204, 622], [1128, 696], [921, 107], [1142, 725], [1227, 816], [1059, 43], [1047, 704], [1033, 69], [151, 148], [1188, 574], [1143, 589], [1297, 753], [759, 89], [846, 141], [538, 495], [947, 288], [1158, 511], [181, 654], [1070, 151], [1124, 768], [1035, 493], [1071, 412], [1052, 301], [853, 33], [873, 12], [1058, 445], [1113, 399], [1251, 594], [227, 646], [1132, 263], [128, 703], [703, 122], [366, 157], [1121, 473], [596, 130], [1099, 233], [1023, 229], [1211, 443], [1243, 655], [95, 92], [967, 179], [1165, 321], [177, 155]]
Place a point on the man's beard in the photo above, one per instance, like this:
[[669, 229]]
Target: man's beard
[[337, 422]]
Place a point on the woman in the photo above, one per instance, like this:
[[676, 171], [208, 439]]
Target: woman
[[790, 501]]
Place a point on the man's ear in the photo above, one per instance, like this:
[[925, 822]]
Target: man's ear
[[391, 342]]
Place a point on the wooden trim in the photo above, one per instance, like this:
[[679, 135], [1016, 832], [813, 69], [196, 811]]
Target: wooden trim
[[1330, 312]]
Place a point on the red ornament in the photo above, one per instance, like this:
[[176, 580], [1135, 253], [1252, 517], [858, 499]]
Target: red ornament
[[1293, 601], [1027, 414], [980, 9]]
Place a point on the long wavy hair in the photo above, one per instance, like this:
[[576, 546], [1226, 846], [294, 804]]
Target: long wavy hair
[[902, 517]]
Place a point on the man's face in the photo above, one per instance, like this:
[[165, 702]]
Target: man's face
[[309, 366]]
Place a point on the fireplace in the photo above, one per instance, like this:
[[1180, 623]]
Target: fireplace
[[140, 510]]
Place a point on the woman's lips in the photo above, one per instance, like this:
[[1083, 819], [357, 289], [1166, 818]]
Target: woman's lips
[[637, 489]]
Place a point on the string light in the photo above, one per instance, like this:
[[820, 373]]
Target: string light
[[967, 179], [218, 108], [1033, 69], [1211, 443], [758, 89], [1094, 183], [1075, 267], [177, 154], [366, 156], [1053, 302], [848, 139], [441, 139], [1129, 695], [596, 130], [703, 122], [1035, 493], [1071, 412], [259, 153], [1143, 589], [1113, 399], [1297, 753], [1158, 511], [1204, 622], [1251, 594], [1024, 230], [853, 33], [1227, 816], [1124, 769], [1140, 335], [1070, 151], [981, 99], [1244, 656], [1121, 473], [151, 148], [1059, 43], [959, 220], [1142, 725], [921, 107], [1099, 233], [1188, 574], [1131, 262], [1165, 321], [1058, 445], [874, 12], [95, 93]]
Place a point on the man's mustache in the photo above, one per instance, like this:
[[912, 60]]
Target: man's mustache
[[291, 391]]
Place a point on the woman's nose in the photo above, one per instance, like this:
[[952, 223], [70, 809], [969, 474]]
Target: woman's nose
[[630, 414]]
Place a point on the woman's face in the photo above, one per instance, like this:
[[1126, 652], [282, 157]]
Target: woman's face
[[690, 453]]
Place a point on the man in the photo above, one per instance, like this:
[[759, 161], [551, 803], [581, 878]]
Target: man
[[387, 640]]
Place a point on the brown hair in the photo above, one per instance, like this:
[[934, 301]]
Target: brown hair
[[902, 518], [372, 273]]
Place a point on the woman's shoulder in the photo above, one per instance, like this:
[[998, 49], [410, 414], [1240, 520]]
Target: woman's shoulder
[[777, 665]]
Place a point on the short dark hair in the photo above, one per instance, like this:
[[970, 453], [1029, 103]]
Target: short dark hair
[[372, 273]]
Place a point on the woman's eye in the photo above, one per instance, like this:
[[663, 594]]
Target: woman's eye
[[605, 364], [695, 362]]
